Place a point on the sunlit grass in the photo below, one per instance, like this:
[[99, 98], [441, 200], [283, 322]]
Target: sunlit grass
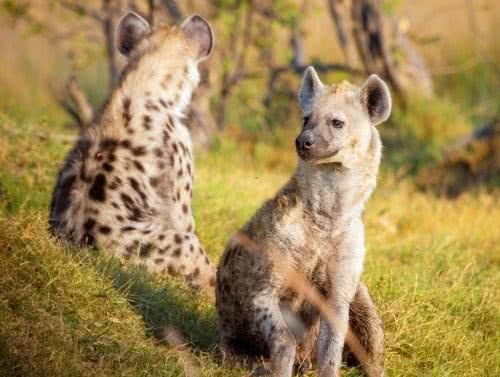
[[432, 268]]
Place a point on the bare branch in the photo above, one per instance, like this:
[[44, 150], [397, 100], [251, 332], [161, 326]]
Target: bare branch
[[83, 107], [338, 15], [173, 9]]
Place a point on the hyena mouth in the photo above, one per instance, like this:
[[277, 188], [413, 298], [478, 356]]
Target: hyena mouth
[[309, 156]]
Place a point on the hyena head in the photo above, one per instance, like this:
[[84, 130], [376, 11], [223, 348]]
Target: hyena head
[[160, 51], [340, 120]]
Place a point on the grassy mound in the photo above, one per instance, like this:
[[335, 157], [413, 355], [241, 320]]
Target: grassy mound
[[432, 267]]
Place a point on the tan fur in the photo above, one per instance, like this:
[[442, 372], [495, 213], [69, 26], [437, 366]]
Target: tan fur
[[127, 184], [314, 224]]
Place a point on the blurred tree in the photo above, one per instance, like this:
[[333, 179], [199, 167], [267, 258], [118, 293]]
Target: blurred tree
[[381, 45], [105, 14], [250, 46]]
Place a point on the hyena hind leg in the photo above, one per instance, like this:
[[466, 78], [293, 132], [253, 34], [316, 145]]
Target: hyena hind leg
[[280, 341], [174, 253], [366, 325]]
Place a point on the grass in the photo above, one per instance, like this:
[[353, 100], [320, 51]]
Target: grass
[[432, 267], [432, 264]]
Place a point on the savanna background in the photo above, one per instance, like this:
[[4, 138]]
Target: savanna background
[[433, 224]]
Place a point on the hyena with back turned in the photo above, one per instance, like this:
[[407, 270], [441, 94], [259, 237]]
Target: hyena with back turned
[[314, 225], [127, 183]]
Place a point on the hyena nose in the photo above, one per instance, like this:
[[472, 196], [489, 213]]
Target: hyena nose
[[305, 141]]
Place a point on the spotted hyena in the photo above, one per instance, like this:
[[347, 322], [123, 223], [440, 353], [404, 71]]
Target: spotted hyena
[[127, 183], [314, 224]]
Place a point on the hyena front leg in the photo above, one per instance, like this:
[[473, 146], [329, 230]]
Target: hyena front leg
[[344, 272], [174, 253], [366, 324]]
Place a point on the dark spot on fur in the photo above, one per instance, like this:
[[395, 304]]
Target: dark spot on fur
[[158, 152], [126, 112], [115, 205], [145, 250], [174, 146], [126, 143], [159, 260], [161, 237], [177, 253], [154, 181], [107, 167], [127, 228], [105, 229], [139, 166], [135, 213], [177, 238], [171, 269], [120, 218], [147, 122], [135, 185], [139, 151], [163, 103], [89, 224], [185, 208], [108, 143], [97, 191]]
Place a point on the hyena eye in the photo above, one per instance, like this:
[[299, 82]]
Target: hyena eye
[[337, 123]]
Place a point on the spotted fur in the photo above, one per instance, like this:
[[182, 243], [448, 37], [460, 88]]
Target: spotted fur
[[314, 225], [127, 184]]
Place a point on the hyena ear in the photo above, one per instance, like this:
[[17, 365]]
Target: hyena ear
[[200, 34], [131, 30], [376, 98], [311, 86]]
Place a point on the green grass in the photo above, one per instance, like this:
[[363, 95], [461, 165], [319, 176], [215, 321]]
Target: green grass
[[432, 267]]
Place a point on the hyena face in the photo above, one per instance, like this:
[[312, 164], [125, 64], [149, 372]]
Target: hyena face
[[338, 119]]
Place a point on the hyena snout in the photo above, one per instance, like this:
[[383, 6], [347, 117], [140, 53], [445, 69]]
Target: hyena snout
[[305, 143]]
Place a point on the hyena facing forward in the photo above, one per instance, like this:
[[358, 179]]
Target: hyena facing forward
[[127, 183], [314, 224]]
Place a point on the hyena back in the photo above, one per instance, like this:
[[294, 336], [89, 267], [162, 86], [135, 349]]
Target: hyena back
[[127, 183]]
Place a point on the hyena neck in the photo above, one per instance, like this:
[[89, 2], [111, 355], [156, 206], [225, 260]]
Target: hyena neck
[[152, 88], [335, 192]]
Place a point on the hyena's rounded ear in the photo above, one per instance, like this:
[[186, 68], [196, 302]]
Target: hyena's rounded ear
[[199, 34], [376, 98], [311, 86], [131, 30]]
